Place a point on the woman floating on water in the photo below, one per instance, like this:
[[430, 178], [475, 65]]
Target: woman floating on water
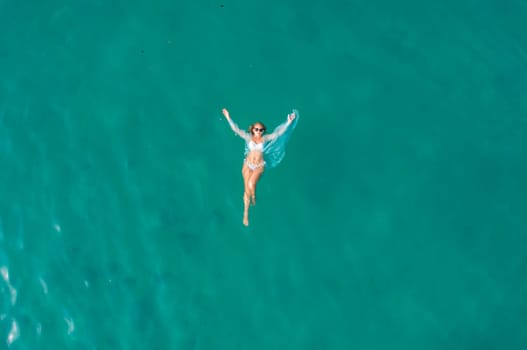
[[261, 151]]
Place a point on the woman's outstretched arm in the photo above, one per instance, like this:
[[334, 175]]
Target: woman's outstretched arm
[[281, 129], [242, 133]]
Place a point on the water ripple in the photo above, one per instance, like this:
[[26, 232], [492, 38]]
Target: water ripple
[[44, 285], [12, 291], [14, 333], [70, 323]]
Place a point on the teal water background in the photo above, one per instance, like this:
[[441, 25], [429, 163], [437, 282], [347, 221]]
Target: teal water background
[[397, 219]]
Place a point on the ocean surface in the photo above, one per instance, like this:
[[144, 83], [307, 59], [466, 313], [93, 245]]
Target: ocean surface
[[397, 219]]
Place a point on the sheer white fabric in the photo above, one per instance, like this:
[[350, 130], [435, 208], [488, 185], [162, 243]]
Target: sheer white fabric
[[274, 149]]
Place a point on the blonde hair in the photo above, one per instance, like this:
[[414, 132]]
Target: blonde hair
[[251, 127]]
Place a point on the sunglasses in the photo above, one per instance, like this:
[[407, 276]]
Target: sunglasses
[[258, 129]]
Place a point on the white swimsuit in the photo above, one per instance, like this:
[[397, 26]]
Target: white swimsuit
[[253, 146]]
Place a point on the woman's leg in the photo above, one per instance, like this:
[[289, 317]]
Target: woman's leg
[[246, 173], [252, 181]]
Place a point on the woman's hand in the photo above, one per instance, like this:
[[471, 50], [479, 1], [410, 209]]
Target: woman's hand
[[226, 113], [291, 117]]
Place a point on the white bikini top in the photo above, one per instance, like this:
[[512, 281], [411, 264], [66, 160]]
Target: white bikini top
[[253, 146]]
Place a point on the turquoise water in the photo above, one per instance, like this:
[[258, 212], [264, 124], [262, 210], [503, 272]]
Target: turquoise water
[[396, 220]]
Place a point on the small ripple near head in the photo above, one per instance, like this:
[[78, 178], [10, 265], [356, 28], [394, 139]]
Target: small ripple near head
[[70, 324], [44, 285]]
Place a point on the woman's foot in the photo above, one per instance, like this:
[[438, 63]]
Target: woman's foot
[[246, 220], [253, 200]]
